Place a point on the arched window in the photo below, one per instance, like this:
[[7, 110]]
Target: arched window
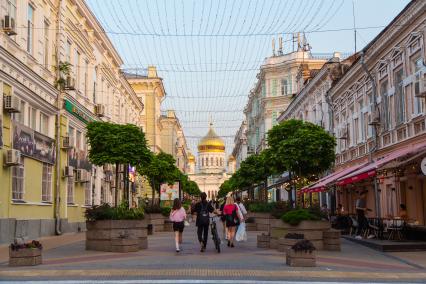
[[212, 162], [221, 162], [207, 162], [202, 162], [217, 161]]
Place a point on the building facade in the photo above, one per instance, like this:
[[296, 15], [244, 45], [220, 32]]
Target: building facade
[[273, 91], [240, 145], [47, 180]]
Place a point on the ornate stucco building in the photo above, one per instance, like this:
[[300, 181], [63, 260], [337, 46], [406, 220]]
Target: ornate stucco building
[[212, 170]]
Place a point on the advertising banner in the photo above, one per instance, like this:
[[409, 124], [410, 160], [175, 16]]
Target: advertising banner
[[169, 191], [33, 144], [79, 159]]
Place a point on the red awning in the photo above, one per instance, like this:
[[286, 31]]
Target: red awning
[[321, 185], [370, 169]]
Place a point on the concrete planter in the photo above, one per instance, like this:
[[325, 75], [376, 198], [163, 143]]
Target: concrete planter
[[168, 226], [300, 258], [312, 231], [157, 221], [25, 257], [262, 221], [116, 235]]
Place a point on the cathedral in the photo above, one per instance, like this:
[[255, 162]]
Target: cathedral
[[212, 169]]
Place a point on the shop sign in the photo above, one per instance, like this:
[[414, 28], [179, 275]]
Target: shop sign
[[74, 110], [33, 144], [423, 165]]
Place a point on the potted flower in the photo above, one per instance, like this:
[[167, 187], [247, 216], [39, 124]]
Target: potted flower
[[25, 254], [301, 254]]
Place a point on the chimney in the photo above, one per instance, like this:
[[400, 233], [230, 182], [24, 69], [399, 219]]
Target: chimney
[[152, 72], [273, 46]]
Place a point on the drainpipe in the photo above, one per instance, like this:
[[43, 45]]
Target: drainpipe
[[58, 129], [374, 130]]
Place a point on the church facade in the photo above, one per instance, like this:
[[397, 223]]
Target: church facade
[[213, 167]]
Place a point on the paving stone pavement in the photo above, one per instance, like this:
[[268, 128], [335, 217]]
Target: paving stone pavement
[[69, 260]]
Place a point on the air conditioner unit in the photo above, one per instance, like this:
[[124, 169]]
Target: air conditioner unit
[[107, 168], [11, 103], [375, 119], [12, 157], [8, 25], [100, 110], [69, 83], [69, 171], [420, 86], [67, 142]]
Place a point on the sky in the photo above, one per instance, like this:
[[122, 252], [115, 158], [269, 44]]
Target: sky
[[208, 52]]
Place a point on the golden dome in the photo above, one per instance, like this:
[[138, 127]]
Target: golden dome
[[211, 142]]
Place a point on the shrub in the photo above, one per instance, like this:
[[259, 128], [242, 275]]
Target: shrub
[[106, 212], [280, 208], [152, 209], [294, 236], [34, 244], [304, 245], [277, 209], [165, 211], [294, 217], [261, 207]]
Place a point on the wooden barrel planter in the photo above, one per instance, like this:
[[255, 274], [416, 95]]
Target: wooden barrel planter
[[301, 258], [288, 241], [25, 257], [312, 231], [116, 235], [263, 241]]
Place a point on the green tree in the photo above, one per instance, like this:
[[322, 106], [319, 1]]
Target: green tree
[[302, 148], [160, 170], [117, 144]]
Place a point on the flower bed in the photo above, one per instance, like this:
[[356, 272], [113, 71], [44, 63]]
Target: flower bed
[[301, 254], [117, 229], [25, 254]]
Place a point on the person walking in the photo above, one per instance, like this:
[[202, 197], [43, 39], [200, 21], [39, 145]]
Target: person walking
[[203, 210], [233, 217], [241, 207], [178, 216], [223, 220], [361, 207]]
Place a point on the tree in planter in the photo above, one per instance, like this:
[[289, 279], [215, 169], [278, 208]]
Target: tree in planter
[[161, 169], [117, 144], [302, 148]]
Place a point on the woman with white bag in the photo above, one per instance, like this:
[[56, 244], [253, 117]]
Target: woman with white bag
[[241, 235]]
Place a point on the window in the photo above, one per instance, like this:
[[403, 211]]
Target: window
[[87, 193], [18, 182], [202, 162], [103, 195], [94, 86], [33, 118], [355, 131], [78, 140], [399, 97], [30, 28], [86, 78], [207, 162], [44, 124], [284, 87], [386, 112], [263, 88], [70, 190], [211, 161], [71, 134], [11, 8], [68, 51], [46, 183], [274, 118], [418, 102], [46, 44], [20, 116], [77, 69], [274, 87]]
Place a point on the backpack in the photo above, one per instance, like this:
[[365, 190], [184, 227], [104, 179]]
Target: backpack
[[203, 216], [233, 217]]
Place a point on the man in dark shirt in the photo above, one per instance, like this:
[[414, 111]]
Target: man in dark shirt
[[361, 207], [202, 209]]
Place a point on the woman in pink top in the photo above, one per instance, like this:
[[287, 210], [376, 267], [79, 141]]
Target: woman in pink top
[[178, 216], [232, 218]]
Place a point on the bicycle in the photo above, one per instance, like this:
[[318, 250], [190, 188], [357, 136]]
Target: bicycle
[[215, 235]]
